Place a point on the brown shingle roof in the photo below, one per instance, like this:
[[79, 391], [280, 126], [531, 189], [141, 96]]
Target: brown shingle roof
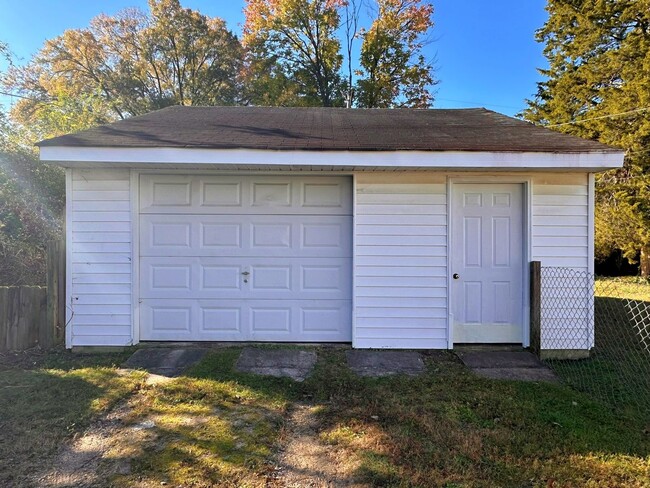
[[328, 129]]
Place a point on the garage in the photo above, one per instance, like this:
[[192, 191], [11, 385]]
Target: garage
[[245, 258], [400, 229]]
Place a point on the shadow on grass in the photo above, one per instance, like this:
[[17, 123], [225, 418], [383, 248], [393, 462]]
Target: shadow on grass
[[450, 427], [212, 426], [215, 426], [617, 373], [40, 408]]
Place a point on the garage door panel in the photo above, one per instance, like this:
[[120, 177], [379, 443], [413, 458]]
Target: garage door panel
[[254, 320], [173, 277], [220, 236], [266, 277], [220, 193], [325, 321], [323, 194], [220, 320], [231, 235], [241, 258], [203, 194], [170, 318], [271, 235], [267, 317], [207, 277], [271, 194], [217, 278]]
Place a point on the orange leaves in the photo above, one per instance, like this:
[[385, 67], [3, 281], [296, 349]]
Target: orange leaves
[[394, 71]]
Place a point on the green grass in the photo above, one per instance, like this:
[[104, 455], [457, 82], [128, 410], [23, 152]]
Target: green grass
[[213, 426], [445, 428], [218, 427], [618, 370], [57, 397], [632, 287], [451, 428]]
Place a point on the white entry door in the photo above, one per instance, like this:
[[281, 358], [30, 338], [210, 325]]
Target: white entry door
[[487, 263], [245, 258]]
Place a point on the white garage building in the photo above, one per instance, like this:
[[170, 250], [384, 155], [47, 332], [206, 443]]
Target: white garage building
[[383, 228]]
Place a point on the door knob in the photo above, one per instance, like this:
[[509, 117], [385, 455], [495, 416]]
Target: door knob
[[455, 276]]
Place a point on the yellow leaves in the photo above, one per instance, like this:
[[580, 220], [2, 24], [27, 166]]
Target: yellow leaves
[[396, 74]]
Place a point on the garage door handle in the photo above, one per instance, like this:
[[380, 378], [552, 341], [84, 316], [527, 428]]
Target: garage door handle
[[455, 276], [245, 273]]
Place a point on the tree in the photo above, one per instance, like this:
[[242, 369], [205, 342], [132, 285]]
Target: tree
[[31, 203], [597, 87], [297, 40], [352, 15], [394, 71], [294, 54], [130, 64]]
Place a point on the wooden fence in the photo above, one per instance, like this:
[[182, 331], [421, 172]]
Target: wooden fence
[[535, 307], [35, 315]]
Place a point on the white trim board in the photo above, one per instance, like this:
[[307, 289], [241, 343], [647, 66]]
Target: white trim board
[[69, 313], [592, 209], [465, 160], [134, 192]]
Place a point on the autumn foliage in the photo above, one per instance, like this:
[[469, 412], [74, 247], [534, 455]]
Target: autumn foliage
[[124, 65]]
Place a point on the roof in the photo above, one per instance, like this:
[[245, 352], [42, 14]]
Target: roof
[[328, 129]]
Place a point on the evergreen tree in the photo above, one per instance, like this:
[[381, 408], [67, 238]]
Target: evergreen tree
[[598, 87]]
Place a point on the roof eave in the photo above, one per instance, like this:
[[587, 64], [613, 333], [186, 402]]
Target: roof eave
[[76, 156]]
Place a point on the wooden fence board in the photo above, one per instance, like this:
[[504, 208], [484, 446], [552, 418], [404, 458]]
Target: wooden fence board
[[35, 315], [23, 315], [535, 306], [55, 333]]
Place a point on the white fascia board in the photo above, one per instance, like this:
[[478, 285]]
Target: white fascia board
[[159, 156]]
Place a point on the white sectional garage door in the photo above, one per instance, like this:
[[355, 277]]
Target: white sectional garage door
[[245, 258]]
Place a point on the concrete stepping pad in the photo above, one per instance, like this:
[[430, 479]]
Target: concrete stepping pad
[[507, 365], [165, 361], [384, 363], [290, 363]]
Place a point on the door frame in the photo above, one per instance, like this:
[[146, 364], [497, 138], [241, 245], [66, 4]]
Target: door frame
[[527, 214]]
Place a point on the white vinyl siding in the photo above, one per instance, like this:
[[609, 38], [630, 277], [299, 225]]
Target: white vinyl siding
[[561, 234], [561, 220], [401, 261], [400, 254], [100, 258]]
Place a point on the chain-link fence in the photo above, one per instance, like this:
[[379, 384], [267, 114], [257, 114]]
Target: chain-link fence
[[595, 334]]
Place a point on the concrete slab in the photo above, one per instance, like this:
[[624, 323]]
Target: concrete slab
[[384, 363], [499, 359], [507, 365], [517, 374], [289, 363], [165, 361]]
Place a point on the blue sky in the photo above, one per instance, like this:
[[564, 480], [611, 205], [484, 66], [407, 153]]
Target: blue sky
[[485, 51]]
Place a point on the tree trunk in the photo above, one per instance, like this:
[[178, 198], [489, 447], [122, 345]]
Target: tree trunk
[[644, 261]]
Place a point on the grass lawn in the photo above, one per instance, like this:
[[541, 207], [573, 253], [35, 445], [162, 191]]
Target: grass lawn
[[47, 398], [618, 370], [631, 287], [217, 427]]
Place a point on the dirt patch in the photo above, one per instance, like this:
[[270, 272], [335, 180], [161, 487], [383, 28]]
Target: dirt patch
[[305, 461], [86, 460], [105, 449], [28, 359]]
